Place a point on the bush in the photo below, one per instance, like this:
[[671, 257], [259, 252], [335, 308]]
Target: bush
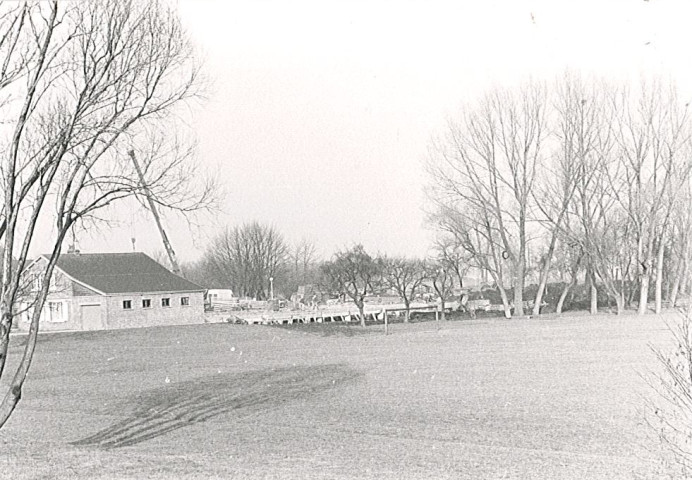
[[670, 414]]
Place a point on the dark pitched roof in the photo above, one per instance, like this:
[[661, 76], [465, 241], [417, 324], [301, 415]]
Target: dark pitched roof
[[113, 273]]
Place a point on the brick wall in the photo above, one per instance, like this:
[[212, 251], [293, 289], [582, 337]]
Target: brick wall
[[156, 314]]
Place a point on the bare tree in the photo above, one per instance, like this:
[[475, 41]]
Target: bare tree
[[453, 257], [197, 271], [483, 175], [652, 132], [443, 283], [405, 276], [577, 120], [681, 246], [247, 256], [614, 163], [304, 265], [473, 238], [81, 84], [354, 273], [592, 221]]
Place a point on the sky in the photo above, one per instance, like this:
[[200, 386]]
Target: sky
[[319, 115]]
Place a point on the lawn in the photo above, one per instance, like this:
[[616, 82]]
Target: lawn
[[547, 398]]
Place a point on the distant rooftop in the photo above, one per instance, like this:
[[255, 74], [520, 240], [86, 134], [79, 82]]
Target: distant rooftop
[[113, 273]]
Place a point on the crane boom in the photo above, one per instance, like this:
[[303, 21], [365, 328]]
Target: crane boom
[[157, 218]]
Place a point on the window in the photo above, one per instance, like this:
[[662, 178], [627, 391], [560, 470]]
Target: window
[[185, 301], [127, 304], [53, 287], [37, 283], [165, 302], [56, 312], [146, 303]]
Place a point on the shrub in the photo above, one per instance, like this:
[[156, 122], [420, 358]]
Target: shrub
[[670, 413]]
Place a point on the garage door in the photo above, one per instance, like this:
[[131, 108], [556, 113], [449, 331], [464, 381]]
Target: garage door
[[91, 317]]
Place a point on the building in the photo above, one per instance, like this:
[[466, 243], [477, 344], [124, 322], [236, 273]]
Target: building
[[220, 295], [222, 300], [114, 290]]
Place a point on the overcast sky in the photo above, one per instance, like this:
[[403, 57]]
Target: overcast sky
[[320, 113]]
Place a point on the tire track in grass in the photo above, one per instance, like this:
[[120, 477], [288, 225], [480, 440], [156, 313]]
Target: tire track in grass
[[165, 409]]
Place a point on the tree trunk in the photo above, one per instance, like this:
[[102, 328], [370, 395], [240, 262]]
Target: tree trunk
[[676, 284], [505, 302], [538, 300], [594, 292], [545, 271], [442, 309], [644, 292], [14, 393], [685, 281], [613, 294], [634, 286], [5, 327], [679, 285], [667, 288], [563, 296], [574, 274], [659, 275], [519, 289], [407, 314], [674, 291], [565, 291], [619, 293], [620, 303], [361, 312], [497, 277], [594, 299]]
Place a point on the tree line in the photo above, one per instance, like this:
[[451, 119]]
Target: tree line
[[249, 258], [569, 181], [594, 175]]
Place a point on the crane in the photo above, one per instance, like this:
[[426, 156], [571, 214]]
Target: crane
[[154, 211]]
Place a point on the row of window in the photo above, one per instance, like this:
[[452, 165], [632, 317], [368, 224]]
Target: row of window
[[146, 303], [53, 312]]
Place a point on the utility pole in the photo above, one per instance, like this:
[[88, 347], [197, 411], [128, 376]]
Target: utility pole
[[154, 211]]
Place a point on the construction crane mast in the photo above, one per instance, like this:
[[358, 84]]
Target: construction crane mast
[[152, 207]]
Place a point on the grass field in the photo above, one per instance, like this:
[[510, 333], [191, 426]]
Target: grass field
[[547, 398]]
